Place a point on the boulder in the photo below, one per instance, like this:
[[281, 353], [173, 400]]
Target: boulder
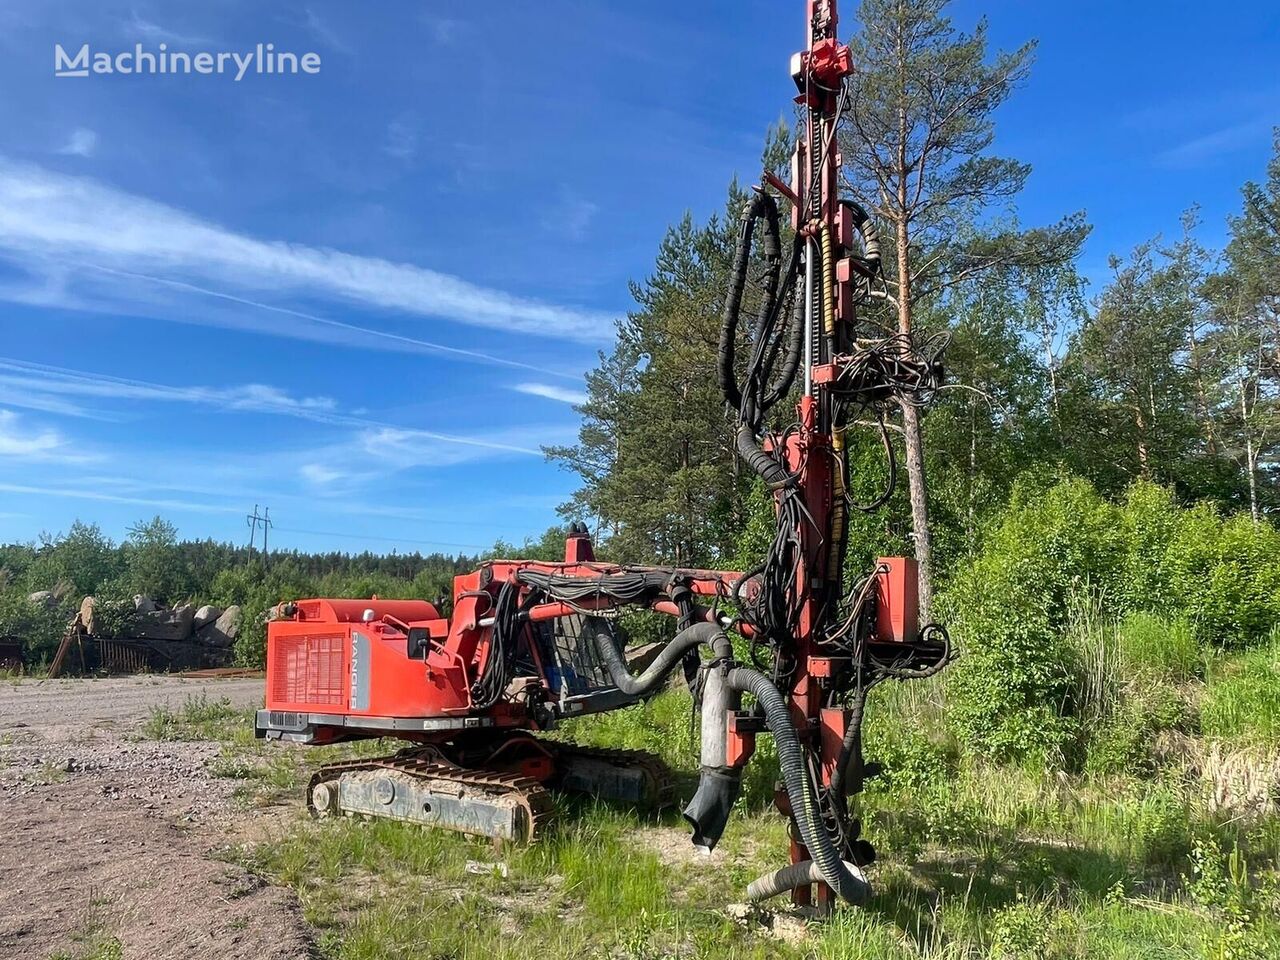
[[205, 616], [223, 631], [87, 620], [164, 624], [144, 604], [42, 598]]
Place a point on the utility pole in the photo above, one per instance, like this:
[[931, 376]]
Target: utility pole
[[252, 520], [266, 526]]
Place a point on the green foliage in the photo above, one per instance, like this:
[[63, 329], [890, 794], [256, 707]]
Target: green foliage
[[154, 564], [39, 625], [82, 558], [1162, 824], [200, 718], [1021, 931], [1181, 578], [1010, 695], [1160, 648]]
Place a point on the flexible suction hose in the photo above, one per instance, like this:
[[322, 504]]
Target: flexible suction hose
[[690, 638], [843, 877], [788, 878]]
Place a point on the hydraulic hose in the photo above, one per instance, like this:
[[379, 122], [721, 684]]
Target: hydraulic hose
[[795, 335], [761, 207], [866, 227], [845, 878], [773, 473], [690, 638]]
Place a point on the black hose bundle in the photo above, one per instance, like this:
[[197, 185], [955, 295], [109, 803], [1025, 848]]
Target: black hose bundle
[[498, 666], [827, 864], [761, 388], [625, 587], [880, 374]]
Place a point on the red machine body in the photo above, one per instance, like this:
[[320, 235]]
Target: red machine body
[[342, 668]]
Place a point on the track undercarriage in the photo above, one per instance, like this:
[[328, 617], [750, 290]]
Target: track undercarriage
[[503, 789]]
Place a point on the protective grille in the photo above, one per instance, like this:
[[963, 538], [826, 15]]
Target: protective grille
[[570, 656], [308, 669]]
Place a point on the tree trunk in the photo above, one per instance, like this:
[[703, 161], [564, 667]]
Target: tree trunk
[[912, 435], [1251, 464], [1144, 454]]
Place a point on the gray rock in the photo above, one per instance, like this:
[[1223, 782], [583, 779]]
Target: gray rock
[[223, 631], [88, 620], [143, 604], [164, 624], [42, 598], [205, 616], [229, 622]]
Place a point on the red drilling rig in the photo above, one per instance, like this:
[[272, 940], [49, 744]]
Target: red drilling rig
[[528, 643]]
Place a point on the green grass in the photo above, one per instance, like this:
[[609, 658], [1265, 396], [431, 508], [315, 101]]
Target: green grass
[[199, 718], [93, 940], [1242, 701]]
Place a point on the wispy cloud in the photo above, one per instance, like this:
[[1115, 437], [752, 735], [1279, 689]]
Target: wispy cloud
[[322, 31], [402, 138], [406, 446], [572, 216], [319, 474], [41, 444], [444, 31], [552, 392], [137, 28], [1221, 142], [82, 493], [81, 143], [35, 379], [313, 326], [48, 219]]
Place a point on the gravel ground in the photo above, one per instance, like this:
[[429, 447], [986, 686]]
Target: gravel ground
[[109, 835]]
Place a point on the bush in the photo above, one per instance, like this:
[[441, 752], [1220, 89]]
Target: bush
[[40, 626], [1162, 825], [1179, 578], [1010, 695]]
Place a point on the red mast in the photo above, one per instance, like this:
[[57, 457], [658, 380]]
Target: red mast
[[816, 453]]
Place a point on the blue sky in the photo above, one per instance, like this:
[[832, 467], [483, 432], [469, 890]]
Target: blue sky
[[367, 297]]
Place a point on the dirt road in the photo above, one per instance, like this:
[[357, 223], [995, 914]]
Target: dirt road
[[64, 709], [107, 837]]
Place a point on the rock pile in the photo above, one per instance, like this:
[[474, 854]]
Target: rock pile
[[208, 625]]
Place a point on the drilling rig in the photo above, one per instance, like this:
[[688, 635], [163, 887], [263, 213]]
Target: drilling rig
[[528, 644]]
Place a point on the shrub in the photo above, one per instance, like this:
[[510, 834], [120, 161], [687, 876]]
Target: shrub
[[40, 626], [1179, 578], [1224, 576], [1162, 825], [1010, 695]]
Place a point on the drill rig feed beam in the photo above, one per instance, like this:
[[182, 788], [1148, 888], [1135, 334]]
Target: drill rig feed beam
[[528, 644]]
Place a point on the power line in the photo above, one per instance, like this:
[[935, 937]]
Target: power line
[[365, 536]]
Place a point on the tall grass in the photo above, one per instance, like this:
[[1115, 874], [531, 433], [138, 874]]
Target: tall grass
[[1242, 701]]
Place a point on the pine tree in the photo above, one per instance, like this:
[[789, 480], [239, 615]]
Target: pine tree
[[920, 125]]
